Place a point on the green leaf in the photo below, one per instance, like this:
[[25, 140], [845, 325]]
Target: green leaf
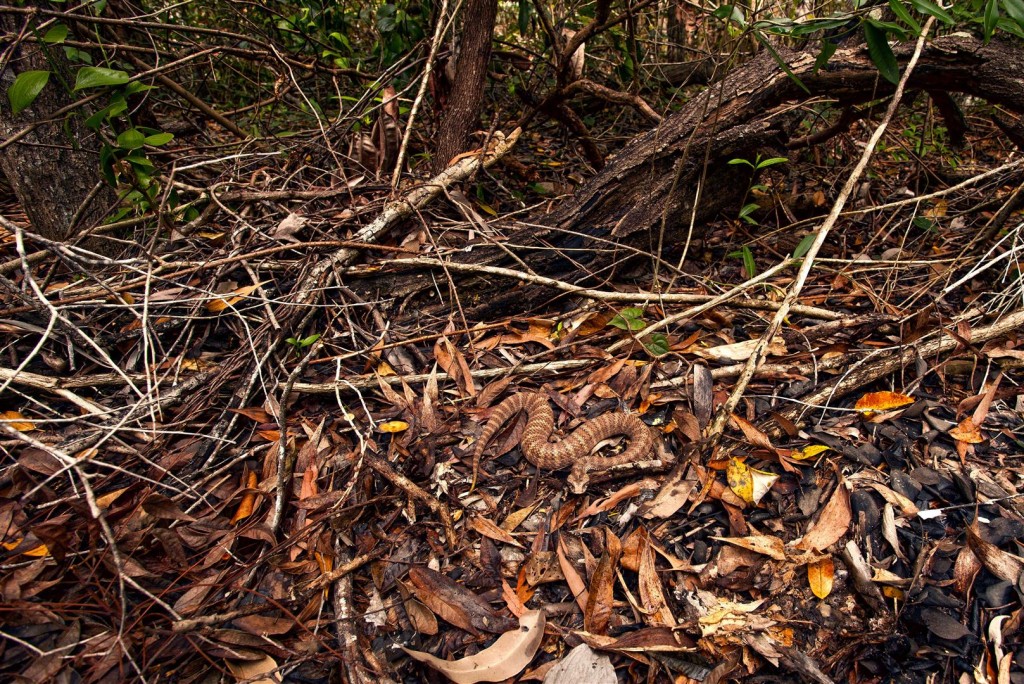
[[26, 88], [828, 48], [880, 53], [765, 163], [96, 77], [749, 265], [991, 18], [158, 139], [781, 62], [1015, 10], [931, 9], [657, 344], [747, 210], [132, 139], [57, 34], [630, 319], [525, 7], [804, 245], [736, 162], [901, 11]]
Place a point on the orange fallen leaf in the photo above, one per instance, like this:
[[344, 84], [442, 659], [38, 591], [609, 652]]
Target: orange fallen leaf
[[820, 575], [393, 426], [874, 402], [219, 304], [17, 421], [967, 432], [248, 501]]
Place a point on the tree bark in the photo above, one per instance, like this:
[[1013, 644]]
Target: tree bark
[[54, 169], [654, 180], [467, 95]]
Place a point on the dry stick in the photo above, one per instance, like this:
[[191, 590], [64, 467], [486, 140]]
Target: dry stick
[[435, 45], [384, 469], [638, 297], [865, 373], [714, 431], [371, 381], [189, 97]]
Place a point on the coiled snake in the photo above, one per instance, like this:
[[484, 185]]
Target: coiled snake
[[574, 449]]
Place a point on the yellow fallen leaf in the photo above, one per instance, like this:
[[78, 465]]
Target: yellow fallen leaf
[[393, 426], [808, 452]]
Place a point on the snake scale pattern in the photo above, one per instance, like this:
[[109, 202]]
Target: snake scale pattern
[[573, 449]]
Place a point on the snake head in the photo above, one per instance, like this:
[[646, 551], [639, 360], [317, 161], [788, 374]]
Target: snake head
[[579, 478]]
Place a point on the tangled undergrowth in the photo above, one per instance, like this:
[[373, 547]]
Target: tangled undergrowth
[[224, 459]]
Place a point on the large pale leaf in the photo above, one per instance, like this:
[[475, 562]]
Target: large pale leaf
[[505, 658]]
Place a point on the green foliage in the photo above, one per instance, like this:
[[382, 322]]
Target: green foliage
[[658, 344], [749, 265], [26, 89], [630, 319], [99, 77], [299, 344], [755, 166]]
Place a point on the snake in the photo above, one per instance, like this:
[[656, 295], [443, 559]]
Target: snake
[[573, 449]]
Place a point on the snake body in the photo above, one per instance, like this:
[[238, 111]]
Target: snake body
[[573, 449]]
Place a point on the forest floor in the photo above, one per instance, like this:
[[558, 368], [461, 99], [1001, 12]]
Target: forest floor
[[183, 500]]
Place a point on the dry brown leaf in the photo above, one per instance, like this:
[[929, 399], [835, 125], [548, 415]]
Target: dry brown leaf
[[764, 544], [491, 531], [221, 303], [820, 576], [104, 500], [256, 413], [833, 522], [965, 569], [455, 604], [572, 578], [1005, 566], [753, 435], [454, 364], [506, 657], [967, 432], [597, 616], [651, 593], [263, 671]]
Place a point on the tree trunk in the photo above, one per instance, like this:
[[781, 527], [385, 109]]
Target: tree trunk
[[54, 168], [646, 198], [467, 95]]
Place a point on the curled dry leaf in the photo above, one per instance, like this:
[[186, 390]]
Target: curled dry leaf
[[967, 432], [749, 483], [505, 658]]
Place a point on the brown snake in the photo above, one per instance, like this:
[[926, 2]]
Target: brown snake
[[573, 449]]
